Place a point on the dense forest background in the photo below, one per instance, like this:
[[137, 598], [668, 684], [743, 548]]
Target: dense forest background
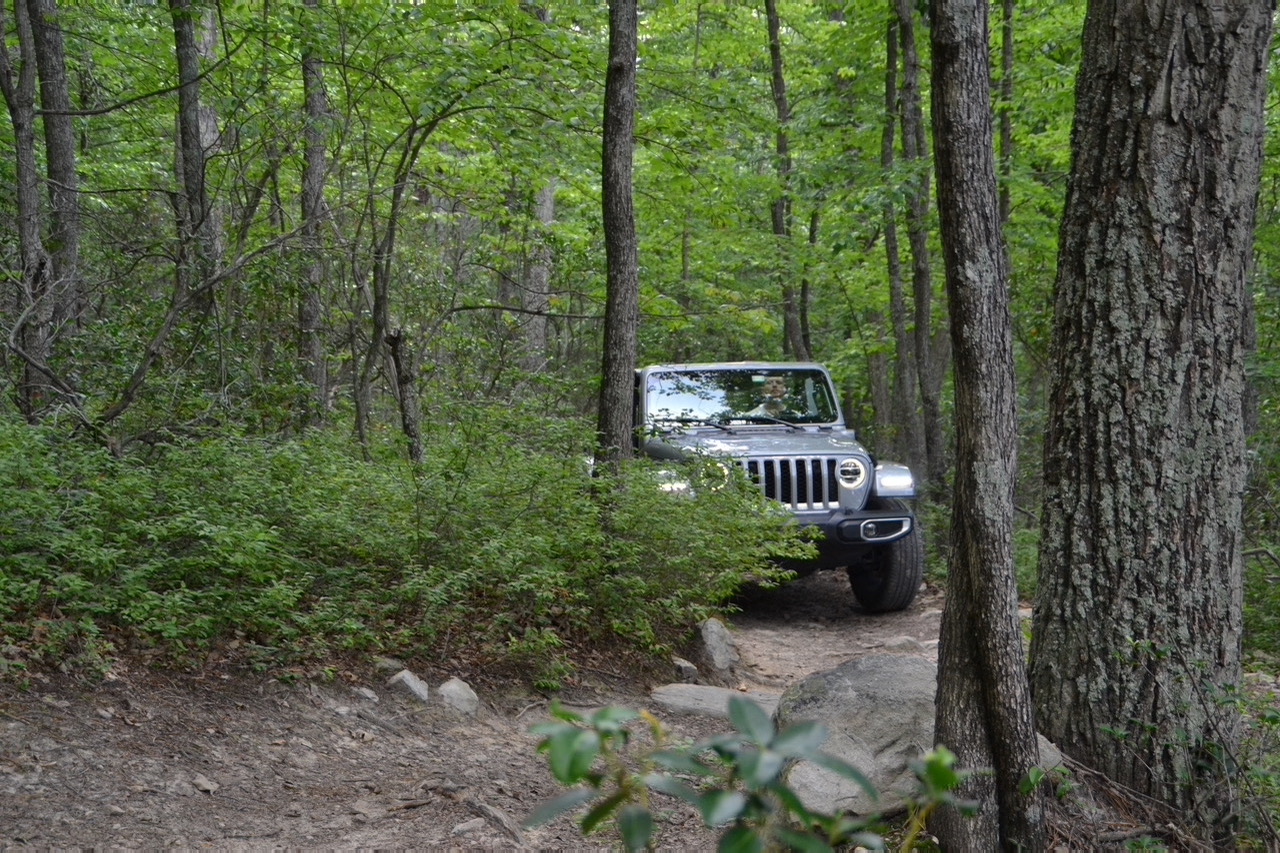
[[303, 305]]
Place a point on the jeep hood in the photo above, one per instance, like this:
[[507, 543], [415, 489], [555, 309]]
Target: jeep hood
[[743, 443]]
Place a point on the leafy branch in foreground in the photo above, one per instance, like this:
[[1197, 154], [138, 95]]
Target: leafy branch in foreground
[[735, 781]]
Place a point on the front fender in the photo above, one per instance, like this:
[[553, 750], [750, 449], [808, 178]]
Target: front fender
[[894, 481]]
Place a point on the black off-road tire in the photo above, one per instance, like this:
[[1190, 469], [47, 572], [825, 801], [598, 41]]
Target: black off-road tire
[[889, 577]]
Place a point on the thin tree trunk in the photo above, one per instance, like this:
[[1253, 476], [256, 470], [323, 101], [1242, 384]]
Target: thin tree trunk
[[1006, 110], [406, 372], [1138, 619], [906, 424], [622, 304], [198, 242], [537, 291], [795, 335], [311, 321], [930, 350], [31, 335], [60, 157], [984, 700]]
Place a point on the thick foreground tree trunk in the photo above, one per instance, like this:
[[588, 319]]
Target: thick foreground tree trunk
[[984, 700], [1138, 621]]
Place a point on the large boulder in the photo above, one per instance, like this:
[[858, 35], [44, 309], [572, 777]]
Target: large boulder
[[879, 711]]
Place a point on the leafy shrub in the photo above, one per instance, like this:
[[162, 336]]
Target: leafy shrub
[[737, 781], [501, 544], [1262, 605]]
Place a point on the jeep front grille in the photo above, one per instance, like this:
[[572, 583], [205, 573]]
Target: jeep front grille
[[800, 482]]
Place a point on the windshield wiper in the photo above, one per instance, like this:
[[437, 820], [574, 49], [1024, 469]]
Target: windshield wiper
[[769, 419], [703, 421]]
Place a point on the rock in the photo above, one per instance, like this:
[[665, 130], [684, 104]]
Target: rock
[[904, 644], [473, 825], [458, 695], [204, 783], [501, 818], [686, 671], [706, 701], [412, 683], [367, 693], [721, 650], [879, 711]]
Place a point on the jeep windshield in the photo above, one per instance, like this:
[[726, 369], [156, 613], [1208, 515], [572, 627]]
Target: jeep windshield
[[726, 395]]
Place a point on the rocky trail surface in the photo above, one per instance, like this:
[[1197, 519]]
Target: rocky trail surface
[[149, 760]]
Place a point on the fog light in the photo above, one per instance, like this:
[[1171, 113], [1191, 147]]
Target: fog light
[[869, 530]]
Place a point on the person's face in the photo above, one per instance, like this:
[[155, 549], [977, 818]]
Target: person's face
[[774, 386]]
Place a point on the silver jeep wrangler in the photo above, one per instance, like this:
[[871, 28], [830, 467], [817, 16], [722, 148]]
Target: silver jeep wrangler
[[782, 423]]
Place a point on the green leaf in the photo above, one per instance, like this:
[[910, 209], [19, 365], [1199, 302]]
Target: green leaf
[[601, 811], [612, 719], [671, 786], [843, 768], [791, 800], [1034, 777], [760, 767], [802, 841], [937, 771], [741, 839], [560, 712], [572, 753], [568, 801], [635, 825], [720, 807], [801, 740], [750, 719], [681, 761]]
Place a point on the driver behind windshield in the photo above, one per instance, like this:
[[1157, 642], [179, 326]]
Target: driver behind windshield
[[774, 403]]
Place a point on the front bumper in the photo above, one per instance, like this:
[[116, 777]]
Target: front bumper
[[849, 535]]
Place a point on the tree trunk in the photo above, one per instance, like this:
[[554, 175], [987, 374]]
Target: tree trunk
[[984, 701], [907, 426], [930, 350], [1138, 618], [31, 336], [311, 343], [199, 237], [63, 239], [537, 291], [405, 364], [1006, 110], [622, 304], [795, 335]]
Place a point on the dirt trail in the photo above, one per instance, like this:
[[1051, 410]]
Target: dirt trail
[[147, 760]]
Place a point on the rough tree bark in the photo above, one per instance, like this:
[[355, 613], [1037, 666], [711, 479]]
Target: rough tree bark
[[63, 233], [903, 417], [311, 344], [200, 233], [537, 291], [795, 341], [30, 335], [931, 351], [984, 701], [1138, 619], [622, 304]]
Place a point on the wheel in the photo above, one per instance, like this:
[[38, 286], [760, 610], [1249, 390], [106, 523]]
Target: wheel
[[888, 578]]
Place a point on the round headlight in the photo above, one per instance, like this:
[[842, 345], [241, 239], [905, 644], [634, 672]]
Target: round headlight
[[853, 473]]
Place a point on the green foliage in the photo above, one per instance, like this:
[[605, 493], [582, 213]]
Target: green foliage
[[497, 545], [1262, 606], [735, 781], [1260, 776]]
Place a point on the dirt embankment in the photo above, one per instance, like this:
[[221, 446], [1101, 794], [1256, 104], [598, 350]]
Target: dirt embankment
[[146, 760]]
